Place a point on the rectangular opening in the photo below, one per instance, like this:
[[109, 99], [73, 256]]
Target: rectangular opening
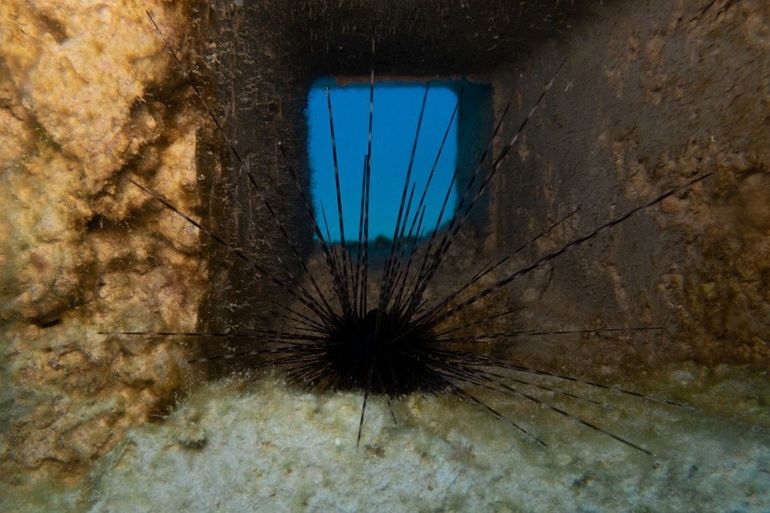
[[397, 111]]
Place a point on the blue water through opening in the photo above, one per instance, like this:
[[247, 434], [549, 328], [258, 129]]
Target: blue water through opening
[[396, 112]]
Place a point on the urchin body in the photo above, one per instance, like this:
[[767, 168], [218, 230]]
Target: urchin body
[[382, 352]]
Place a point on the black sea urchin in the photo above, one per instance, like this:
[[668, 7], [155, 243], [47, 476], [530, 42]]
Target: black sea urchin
[[403, 343]]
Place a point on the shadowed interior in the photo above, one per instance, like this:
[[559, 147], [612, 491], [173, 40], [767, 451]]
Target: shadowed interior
[[616, 130]]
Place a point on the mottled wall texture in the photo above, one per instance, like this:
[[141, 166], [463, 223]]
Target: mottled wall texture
[[651, 93], [89, 100]]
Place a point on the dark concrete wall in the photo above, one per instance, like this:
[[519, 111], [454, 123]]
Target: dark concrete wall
[[264, 56], [652, 93]]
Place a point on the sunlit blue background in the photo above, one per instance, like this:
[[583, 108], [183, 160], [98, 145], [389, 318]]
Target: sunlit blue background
[[396, 110]]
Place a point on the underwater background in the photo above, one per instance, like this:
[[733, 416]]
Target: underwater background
[[651, 94]]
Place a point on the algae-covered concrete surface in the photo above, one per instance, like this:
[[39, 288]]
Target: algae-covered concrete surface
[[652, 92], [260, 447], [242, 446], [88, 102]]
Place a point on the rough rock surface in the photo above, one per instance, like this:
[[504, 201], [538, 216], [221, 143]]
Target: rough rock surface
[[262, 448], [88, 99]]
